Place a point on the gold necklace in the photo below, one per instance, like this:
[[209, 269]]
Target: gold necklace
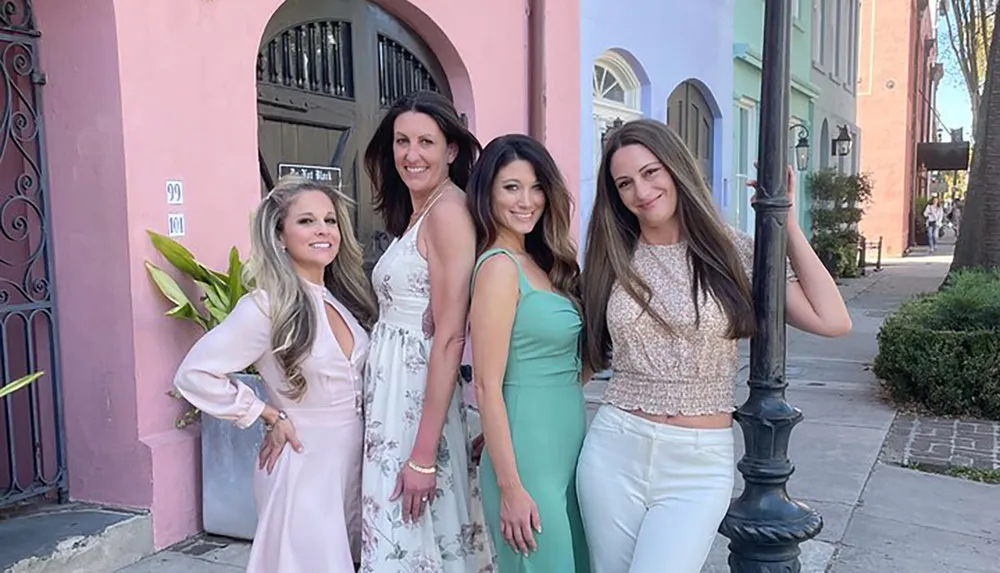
[[438, 191]]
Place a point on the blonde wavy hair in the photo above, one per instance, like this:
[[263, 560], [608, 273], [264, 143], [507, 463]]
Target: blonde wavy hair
[[290, 309]]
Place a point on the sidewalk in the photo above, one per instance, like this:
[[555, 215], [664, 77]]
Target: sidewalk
[[878, 517]]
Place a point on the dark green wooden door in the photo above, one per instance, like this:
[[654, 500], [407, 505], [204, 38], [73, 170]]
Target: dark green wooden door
[[689, 114], [326, 71]]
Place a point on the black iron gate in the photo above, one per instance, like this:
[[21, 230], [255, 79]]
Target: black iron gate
[[32, 451]]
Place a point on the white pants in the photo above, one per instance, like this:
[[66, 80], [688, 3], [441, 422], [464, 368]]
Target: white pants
[[652, 495]]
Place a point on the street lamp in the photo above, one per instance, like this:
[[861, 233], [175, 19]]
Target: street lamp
[[764, 525], [802, 147], [842, 143]]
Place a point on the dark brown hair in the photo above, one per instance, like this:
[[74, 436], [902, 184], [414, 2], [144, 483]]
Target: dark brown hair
[[549, 244], [613, 234], [391, 197]]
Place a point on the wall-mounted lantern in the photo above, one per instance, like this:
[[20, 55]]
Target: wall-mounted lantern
[[842, 143], [802, 147]]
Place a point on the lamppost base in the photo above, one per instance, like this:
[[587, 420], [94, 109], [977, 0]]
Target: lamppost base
[[769, 546]]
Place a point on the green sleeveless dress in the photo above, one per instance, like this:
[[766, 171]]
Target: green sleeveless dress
[[546, 412]]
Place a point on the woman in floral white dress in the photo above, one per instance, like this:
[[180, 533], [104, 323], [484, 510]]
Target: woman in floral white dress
[[421, 510]]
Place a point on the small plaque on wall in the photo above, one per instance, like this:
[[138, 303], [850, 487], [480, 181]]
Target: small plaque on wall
[[320, 173], [175, 193], [175, 225]]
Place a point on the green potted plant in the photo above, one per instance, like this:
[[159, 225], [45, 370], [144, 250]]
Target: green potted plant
[[838, 202], [228, 454], [16, 385]]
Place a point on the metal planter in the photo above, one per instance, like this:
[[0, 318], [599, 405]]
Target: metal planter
[[228, 462]]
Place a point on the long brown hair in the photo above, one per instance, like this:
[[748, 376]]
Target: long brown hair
[[292, 314], [549, 243], [613, 234], [391, 196]]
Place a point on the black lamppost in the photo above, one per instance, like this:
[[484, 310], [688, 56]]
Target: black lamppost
[[764, 525]]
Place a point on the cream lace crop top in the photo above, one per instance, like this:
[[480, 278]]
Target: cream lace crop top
[[689, 372]]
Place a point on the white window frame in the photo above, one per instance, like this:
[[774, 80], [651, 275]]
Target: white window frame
[[607, 111], [820, 34], [741, 214], [854, 11], [838, 39], [626, 77]]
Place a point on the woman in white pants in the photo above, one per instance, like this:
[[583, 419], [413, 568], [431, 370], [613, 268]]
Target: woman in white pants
[[666, 294]]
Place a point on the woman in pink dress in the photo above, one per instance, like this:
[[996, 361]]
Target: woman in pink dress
[[304, 329]]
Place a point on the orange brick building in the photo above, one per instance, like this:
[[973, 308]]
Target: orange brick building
[[898, 75]]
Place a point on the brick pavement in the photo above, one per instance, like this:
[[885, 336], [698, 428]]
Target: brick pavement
[[942, 442]]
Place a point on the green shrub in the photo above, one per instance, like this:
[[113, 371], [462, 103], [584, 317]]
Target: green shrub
[[839, 252], [838, 204], [942, 350]]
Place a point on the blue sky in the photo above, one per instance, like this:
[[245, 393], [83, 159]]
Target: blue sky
[[953, 107], [952, 97]]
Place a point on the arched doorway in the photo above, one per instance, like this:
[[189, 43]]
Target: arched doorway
[[617, 96], [689, 114], [326, 71]]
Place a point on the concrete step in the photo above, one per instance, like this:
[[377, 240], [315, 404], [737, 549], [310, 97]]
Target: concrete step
[[74, 538]]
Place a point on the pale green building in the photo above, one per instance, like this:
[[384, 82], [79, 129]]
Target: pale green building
[[747, 48]]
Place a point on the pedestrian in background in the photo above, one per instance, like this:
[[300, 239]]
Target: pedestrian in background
[[933, 218]]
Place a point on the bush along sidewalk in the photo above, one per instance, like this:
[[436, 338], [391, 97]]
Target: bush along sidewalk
[[838, 202], [941, 351]]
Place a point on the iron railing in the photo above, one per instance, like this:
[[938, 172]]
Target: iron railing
[[400, 72]]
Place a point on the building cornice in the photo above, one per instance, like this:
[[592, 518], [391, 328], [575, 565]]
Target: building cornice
[[745, 53]]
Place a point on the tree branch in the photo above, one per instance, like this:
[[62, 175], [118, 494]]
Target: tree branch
[[968, 31], [958, 47]]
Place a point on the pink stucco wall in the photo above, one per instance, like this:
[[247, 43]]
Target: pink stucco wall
[[562, 92], [142, 92], [86, 164]]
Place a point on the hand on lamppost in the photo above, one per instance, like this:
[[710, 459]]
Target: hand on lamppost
[[789, 188]]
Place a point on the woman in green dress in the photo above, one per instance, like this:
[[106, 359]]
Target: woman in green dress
[[525, 334]]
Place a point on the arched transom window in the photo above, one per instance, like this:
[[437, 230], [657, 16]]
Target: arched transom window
[[617, 96], [615, 83]]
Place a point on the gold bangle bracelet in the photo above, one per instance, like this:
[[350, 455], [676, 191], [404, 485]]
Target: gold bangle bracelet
[[421, 469]]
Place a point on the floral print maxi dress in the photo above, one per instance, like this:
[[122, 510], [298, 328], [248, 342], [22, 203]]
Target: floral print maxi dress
[[450, 537]]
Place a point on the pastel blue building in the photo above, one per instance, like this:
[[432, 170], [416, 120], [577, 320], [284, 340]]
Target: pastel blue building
[[670, 60]]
